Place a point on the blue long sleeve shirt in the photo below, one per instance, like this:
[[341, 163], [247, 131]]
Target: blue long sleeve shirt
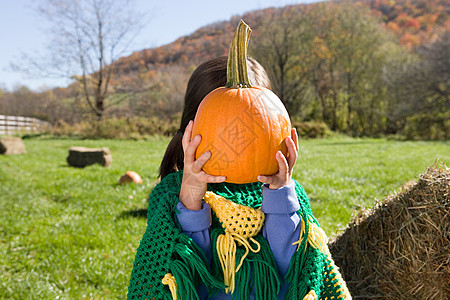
[[281, 229]]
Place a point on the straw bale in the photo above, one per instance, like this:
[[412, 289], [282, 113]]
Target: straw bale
[[12, 145], [81, 157], [401, 248]]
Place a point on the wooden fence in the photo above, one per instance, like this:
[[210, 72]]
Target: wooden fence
[[17, 124]]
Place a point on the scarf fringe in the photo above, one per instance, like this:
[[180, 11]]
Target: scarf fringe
[[169, 280], [266, 279], [184, 280], [244, 282], [298, 259], [226, 249], [258, 272], [311, 244], [193, 262]]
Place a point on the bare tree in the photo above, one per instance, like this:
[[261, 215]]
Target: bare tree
[[88, 36]]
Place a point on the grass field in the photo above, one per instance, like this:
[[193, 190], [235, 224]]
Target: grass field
[[72, 233]]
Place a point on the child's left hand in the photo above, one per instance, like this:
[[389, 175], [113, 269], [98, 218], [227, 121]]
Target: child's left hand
[[285, 164]]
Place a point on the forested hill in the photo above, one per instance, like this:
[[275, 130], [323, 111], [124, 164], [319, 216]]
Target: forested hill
[[206, 42], [366, 68], [413, 22]]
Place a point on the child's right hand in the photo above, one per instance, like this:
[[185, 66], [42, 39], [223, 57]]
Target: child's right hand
[[193, 186]]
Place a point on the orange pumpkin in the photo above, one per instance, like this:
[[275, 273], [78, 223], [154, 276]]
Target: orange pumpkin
[[130, 176], [242, 126]]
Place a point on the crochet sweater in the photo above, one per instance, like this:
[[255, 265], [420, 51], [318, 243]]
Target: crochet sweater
[[169, 265]]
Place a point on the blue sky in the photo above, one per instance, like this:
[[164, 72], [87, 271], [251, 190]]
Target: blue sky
[[22, 31]]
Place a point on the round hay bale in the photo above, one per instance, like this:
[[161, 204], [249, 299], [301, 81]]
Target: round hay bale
[[12, 145], [81, 157], [401, 248]]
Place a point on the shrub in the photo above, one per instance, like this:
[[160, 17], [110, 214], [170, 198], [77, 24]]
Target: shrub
[[140, 128], [428, 126], [118, 128]]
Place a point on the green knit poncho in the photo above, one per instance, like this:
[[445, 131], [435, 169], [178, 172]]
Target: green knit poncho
[[165, 249]]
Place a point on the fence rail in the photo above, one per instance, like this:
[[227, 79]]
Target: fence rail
[[15, 124]]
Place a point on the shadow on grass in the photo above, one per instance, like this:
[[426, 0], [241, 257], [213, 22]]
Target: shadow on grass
[[137, 213]]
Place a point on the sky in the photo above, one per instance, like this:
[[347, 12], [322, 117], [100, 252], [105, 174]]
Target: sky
[[23, 31]]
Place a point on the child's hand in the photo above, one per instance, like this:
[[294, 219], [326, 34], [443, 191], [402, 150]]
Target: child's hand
[[285, 164], [193, 186]]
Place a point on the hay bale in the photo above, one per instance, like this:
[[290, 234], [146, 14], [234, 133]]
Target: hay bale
[[81, 157], [401, 248], [12, 145]]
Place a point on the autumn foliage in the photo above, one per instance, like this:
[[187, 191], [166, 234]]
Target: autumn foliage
[[414, 22], [347, 65]]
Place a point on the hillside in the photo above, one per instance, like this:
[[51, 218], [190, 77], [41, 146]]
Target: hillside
[[414, 22], [206, 42], [354, 67]]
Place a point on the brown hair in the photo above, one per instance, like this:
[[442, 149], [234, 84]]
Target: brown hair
[[207, 77]]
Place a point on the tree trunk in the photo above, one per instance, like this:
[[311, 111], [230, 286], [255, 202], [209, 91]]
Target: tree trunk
[[334, 124], [349, 102]]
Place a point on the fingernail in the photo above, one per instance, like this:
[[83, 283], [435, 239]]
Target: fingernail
[[197, 138]]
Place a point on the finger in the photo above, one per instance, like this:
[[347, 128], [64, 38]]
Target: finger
[[293, 154], [282, 163], [189, 154], [294, 136], [187, 135], [266, 179], [211, 178], [215, 179], [200, 162]]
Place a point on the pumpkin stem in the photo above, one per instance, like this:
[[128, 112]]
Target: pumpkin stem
[[237, 75]]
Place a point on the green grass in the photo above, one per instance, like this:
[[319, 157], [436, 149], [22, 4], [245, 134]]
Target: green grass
[[72, 233]]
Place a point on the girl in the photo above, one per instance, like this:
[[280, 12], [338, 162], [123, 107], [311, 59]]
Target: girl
[[181, 255]]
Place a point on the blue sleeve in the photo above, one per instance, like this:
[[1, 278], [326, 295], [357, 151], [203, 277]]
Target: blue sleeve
[[196, 224], [282, 224]]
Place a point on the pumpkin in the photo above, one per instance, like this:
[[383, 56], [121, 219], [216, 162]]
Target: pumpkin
[[130, 176], [243, 126]]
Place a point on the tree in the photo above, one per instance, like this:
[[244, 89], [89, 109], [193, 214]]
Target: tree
[[284, 49], [360, 39], [422, 91], [88, 37], [348, 59], [327, 59]]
